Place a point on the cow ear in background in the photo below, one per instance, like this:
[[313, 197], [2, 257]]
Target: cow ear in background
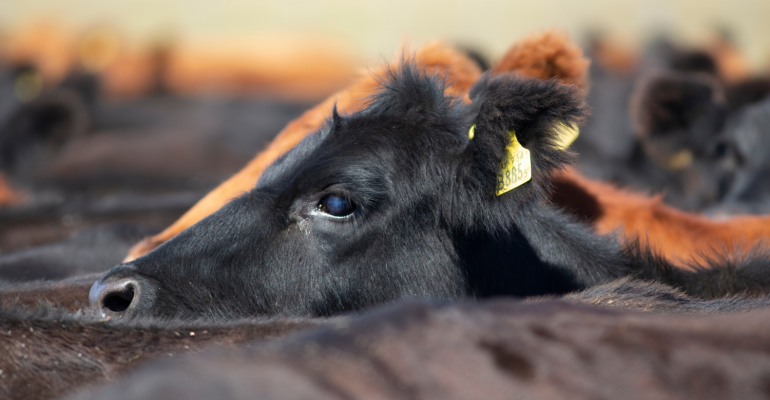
[[674, 114], [47, 123], [520, 133]]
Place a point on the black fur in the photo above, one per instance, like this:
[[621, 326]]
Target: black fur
[[427, 221]]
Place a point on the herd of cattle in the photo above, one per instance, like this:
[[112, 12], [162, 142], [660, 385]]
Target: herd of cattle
[[356, 255]]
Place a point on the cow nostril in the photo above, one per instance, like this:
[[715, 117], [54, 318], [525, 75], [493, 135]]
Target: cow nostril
[[119, 300]]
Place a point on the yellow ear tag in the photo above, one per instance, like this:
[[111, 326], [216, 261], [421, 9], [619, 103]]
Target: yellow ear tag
[[566, 135], [472, 132], [516, 167], [680, 160], [28, 86]]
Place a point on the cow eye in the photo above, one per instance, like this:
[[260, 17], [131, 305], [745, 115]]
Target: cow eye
[[336, 206]]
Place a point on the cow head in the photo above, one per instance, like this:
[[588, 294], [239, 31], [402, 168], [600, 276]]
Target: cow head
[[379, 205], [708, 133]]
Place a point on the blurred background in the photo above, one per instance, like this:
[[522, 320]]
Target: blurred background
[[371, 29], [130, 111]]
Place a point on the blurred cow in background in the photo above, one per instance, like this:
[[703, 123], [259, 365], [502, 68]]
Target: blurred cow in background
[[678, 121]]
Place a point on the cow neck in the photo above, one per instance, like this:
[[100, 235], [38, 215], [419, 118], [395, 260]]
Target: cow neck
[[569, 248]]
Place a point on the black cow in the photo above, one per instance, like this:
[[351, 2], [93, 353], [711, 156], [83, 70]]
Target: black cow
[[745, 138], [703, 141], [678, 120], [394, 202], [673, 128]]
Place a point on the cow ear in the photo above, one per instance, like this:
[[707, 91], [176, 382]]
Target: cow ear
[[47, 122], [520, 134], [675, 113]]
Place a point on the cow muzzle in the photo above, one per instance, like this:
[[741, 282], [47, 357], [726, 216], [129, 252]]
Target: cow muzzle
[[122, 294]]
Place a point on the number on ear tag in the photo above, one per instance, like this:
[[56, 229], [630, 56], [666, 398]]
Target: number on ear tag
[[516, 167]]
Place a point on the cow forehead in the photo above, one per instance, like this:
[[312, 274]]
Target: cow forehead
[[402, 120], [367, 162], [293, 159]]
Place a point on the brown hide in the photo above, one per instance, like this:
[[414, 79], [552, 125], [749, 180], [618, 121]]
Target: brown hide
[[7, 194], [682, 237], [545, 56]]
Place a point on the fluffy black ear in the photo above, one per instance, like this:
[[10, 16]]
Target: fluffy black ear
[[537, 111], [45, 123], [675, 112]]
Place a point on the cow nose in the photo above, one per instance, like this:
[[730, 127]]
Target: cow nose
[[113, 298], [120, 297]]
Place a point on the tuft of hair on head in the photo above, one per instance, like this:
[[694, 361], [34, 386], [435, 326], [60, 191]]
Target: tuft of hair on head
[[545, 56], [409, 88], [452, 64]]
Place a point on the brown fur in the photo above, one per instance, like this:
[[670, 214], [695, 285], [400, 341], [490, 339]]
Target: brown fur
[[7, 194], [544, 56], [681, 237], [617, 59]]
